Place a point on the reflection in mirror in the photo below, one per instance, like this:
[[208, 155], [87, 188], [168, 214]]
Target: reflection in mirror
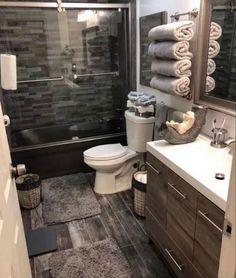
[[146, 24], [215, 84], [225, 62]]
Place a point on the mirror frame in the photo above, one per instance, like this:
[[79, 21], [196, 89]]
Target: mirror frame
[[225, 106]]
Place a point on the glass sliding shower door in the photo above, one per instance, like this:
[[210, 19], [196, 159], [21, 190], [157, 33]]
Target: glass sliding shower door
[[71, 70]]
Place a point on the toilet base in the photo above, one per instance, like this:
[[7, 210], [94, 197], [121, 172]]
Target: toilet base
[[110, 183]]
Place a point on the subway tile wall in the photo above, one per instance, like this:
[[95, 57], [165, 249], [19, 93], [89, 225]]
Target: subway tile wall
[[47, 44]]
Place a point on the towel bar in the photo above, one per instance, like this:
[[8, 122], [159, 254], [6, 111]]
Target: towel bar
[[41, 80]]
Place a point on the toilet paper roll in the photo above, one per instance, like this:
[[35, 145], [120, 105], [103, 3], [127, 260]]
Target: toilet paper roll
[[8, 72]]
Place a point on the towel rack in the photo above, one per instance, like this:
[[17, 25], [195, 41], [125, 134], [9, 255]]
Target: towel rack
[[41, 80], [97, 74], [193, 13]]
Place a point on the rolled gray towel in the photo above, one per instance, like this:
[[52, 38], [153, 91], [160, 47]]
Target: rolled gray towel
[[215, 31], [171, 85], [210, 84], [211, 66], [175, 31], [213, 49], [171, 67], [170, 50]]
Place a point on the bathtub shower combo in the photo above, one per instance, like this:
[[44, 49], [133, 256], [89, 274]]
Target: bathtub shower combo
[[72, 80]]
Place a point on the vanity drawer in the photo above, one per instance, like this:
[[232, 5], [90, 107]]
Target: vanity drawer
[[208, 237], [179, 263], [156, 196], [181, 222], [182, 191]]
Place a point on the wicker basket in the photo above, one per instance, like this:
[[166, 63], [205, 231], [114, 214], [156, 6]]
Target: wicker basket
[[29, 190], [139, 184]]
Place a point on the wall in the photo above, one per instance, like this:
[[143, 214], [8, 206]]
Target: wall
[[146, 7]]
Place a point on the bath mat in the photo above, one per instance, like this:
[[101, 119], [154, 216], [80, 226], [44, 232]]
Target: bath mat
[[68, 198], [102, 259]]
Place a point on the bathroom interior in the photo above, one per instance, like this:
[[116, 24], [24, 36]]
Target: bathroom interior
[[119, 145]]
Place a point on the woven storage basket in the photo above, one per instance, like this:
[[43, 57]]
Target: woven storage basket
[[139, 184], [29, 190]]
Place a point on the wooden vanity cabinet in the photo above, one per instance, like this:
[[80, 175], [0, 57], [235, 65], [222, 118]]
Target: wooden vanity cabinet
[[184, 224]]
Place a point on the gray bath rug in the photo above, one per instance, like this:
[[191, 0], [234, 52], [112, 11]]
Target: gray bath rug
[[102, 259], [68, 198]]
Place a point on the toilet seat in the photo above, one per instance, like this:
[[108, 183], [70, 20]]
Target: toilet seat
[[105, 152]]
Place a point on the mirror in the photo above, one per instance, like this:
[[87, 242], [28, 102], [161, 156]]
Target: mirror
[[147, 23], [216, 56]]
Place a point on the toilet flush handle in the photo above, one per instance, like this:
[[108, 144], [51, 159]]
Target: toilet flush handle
[[6, 120]]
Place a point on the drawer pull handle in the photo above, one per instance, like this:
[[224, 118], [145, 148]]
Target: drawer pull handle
[[179, 266], [153, 168], [184, 196], [204, 216]]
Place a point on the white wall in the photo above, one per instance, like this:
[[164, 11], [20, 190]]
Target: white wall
[[146, 7]]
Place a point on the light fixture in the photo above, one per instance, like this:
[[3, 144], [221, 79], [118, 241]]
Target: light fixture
[[84, 15], [119, 10]]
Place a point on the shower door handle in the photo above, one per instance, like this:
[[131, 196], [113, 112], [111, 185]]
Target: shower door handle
[[6, 120]]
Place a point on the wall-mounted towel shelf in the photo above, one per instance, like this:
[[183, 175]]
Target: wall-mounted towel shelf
[[41, 80], [193, 13]]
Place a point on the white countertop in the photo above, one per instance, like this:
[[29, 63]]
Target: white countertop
[[197, 163]]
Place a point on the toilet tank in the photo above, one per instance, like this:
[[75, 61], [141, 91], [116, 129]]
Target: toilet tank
[[139, 131]]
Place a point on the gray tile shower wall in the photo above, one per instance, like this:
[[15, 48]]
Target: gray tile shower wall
[[47, 48]]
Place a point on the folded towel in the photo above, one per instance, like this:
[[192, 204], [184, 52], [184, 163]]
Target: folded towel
[[214, 49], [215, 31], [135, 95], [175, 31], [131, 106], [170, 50], [211, 66], [171, 67], [210, 84], [171, 85], [145, 100], [144, 109]]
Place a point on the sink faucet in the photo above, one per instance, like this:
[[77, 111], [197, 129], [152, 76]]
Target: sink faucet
[[231, 143]]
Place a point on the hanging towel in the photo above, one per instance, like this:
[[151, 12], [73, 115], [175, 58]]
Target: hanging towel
[[145, 100], [171, 85], [170, 50], [211, 66], [175, 31], [214, 49], [160, 119], [171, 67], [210, 84], [215, 31], [134, 95]]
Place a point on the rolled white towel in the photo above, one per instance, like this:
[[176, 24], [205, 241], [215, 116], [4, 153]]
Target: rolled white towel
[[170, 50], [213, 49], [215, 31], [171, 67], [171, 85], [211, 66], [210, 84], [175, 31]]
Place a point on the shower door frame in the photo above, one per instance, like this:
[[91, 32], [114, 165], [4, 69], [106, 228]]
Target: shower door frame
[[68, 5]]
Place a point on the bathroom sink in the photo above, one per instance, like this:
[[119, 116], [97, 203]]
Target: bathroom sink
[[198, 163]]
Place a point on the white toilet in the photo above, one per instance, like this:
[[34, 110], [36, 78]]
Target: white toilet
[[114, 164]]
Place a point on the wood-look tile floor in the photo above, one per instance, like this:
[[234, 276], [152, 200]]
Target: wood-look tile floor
[[117, 221]]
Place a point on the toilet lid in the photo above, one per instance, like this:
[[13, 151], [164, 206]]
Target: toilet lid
[[105, 152]]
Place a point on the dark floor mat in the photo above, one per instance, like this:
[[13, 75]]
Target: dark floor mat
[[68, 198], [101, 259]]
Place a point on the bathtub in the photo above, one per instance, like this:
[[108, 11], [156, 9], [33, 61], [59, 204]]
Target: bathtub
[[58, 150]]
